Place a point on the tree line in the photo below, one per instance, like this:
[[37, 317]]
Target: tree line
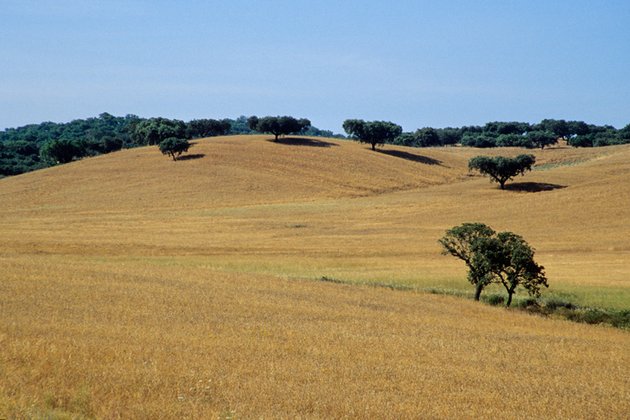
[[37, 146], [492, 134]]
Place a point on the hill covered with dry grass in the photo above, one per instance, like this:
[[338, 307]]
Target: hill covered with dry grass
[[134, 285]]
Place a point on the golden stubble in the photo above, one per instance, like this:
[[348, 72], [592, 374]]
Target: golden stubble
[[134, 286]]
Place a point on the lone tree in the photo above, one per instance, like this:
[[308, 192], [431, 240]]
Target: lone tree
[[278, 125], [501, 169], [372, 132], [510, 260], [504, 258], [461, 242], [174, 147]]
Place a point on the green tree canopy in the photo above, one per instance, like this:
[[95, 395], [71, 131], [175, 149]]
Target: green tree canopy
[[174, 147], [501, 169], [509, 260], [154, 130], [372, 132], [461, 241], [542, 138], [207, 128], [278, 125], [60, 151], [504, 258]]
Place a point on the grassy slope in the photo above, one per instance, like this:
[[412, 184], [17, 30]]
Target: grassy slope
[[134, 284]]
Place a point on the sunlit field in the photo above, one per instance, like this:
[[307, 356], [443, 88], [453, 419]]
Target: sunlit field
[[135, 286]]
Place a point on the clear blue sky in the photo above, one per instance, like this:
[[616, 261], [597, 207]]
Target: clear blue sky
[[417, 63]]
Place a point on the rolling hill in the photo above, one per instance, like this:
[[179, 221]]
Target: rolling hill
[[137, 286]]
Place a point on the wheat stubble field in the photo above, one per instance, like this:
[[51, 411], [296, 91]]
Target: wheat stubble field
[[134, 286]]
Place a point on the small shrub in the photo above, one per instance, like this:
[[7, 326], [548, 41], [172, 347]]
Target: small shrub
[[527, 303], [330, 280], [555, 303], [495, 300]]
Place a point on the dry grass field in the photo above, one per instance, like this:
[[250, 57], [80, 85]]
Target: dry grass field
[[137, 287]]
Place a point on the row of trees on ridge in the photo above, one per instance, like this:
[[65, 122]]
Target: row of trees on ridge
[[37, 146], [503, 134]]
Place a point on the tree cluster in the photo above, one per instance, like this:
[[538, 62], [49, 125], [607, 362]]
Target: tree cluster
[[545, 133], [517, 134], [503, 258], [278, 126], [501, 169], [37, 146], [372, 132]]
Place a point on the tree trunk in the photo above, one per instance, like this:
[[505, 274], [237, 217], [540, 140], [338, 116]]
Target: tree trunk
[[509, 301], [502, 184], [276, 137], [478, 290], [373, 146]]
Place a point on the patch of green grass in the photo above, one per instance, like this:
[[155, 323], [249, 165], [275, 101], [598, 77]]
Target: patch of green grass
[[554, 306], [548, 166]]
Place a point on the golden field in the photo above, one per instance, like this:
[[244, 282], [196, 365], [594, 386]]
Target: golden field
[[134, 286]]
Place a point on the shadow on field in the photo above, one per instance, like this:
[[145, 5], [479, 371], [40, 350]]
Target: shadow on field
[[412, 157], [533, 186], [191, 157], [298, 141]]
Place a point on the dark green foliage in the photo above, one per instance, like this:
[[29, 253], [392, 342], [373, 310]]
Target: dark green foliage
[[207, 128], [278, 125], [479, 140], [461, 242], [619, 319], [510, 260], [559, 128], [428, 137], [252, 123], [406, 139], [22, 146], [514, 140], [449, 136], [174, 147], [154, 130], [542, 138], [372, 132], [512, 127], [624, 134], [501, 169], [577, 128], [504, 258], [581, 141], [495, 300], [554, 303], [61, 151]]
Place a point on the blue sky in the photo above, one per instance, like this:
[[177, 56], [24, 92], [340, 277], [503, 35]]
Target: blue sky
[[417, 63]]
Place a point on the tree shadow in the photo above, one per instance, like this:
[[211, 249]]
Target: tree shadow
[[412, 157], [191, 157], [300, 141], [533, 186]]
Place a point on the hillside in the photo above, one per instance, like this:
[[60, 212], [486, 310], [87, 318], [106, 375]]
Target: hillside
[[138, 286], [313, 207]]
